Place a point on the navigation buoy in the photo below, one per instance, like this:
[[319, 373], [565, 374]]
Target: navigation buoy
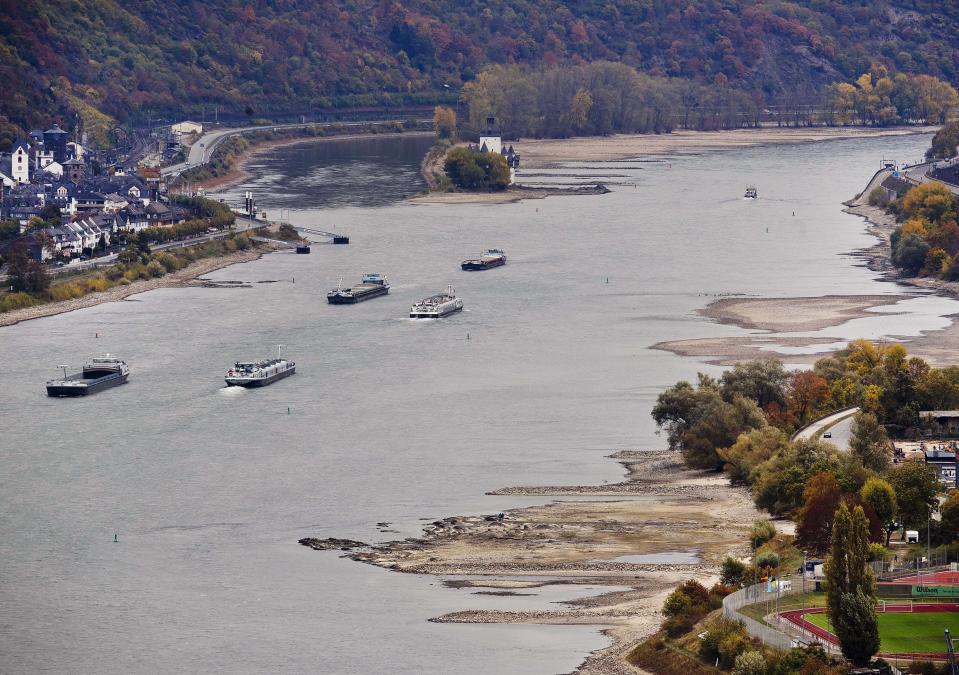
[[794, 214], [288, 410], [467, 336], [97, 334], [116, 540], [607, 280]]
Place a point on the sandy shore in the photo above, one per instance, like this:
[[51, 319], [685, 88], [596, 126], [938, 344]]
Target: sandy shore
[[662, 508], [188, 276], [550, 153]]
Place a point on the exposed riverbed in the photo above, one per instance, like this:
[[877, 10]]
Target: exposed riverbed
[[390, 421]]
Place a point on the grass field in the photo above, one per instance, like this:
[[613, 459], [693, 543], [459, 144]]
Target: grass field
[[908, 632]]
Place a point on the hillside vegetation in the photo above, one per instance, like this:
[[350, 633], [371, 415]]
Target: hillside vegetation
[[133, 61]]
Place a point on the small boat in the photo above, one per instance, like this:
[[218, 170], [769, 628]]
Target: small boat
[[98, 374], [437, 306], [260, 373], [373, 285], [492, 258], [751, 192]]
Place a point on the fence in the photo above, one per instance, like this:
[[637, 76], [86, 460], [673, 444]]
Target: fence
[[770, 595]]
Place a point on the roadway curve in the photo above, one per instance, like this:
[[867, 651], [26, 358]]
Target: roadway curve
[[841, 427], [201, 151]]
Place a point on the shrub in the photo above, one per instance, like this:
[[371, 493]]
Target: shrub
[[877, 197], [878, 552], [677, 626], [750, 663], [169, 262], [677, 604], [761, 532], [243, 242], [718, 632], [732, 571], [732, 646], [18, 300], [155, 269], [66, 292], [768, 559]]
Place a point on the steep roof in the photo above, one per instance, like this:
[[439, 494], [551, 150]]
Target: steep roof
[[20, 143]]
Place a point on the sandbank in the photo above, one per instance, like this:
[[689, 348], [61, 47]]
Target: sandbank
[[578, 541]]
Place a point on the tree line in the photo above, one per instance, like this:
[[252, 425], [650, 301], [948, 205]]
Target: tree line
[[603, 98]]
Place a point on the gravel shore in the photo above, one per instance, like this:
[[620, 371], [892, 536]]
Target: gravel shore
[[662, 509], [184, 277]]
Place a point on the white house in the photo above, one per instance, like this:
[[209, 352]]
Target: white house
[[6, 180], [490, 139], [20, 162], [54, 169], [187, 127], [43, 159]]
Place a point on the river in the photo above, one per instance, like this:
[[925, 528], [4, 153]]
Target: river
[[547, 371]]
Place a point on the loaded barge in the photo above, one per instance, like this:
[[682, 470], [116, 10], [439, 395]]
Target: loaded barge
[[492, 258], [373, 285], [437, 306], [97, 374], [259, 373]]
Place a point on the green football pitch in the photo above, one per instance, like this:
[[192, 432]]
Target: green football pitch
[[908, 632]]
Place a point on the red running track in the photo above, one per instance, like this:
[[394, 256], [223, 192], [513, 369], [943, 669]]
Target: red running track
[[946, 578], [796, 617]]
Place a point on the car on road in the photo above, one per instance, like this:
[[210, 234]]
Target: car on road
[[827, 434]]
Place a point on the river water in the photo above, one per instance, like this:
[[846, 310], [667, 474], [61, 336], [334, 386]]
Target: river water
[[546, 372]]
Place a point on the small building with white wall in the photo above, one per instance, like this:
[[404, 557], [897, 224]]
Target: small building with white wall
[[187, 127], [490, 139], [20, 162]]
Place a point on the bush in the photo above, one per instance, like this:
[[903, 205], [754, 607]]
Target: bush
[[761, 532], [878, 197], [677, 626], [169, 262], [750, 663], [732, 646], [732, 571], [66, 292], [718, 632], [155, 269], [878, 552], [768, 559], [19, 300]]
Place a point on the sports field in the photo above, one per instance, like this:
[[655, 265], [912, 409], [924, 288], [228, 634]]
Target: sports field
[[908, 632]]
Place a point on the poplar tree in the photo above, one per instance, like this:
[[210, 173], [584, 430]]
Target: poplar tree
[[850, 589]]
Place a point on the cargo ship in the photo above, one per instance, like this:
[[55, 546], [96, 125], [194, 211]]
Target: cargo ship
[[97, 374], [492, 258], [372, 286], [259, 373], [437, 306]]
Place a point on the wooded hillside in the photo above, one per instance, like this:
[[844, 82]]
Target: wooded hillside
[[132, 61]]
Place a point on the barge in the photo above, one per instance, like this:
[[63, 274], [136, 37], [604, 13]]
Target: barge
[[437, 306], [751, 192], [97, 374], [373, 285], [259, 373], [492, 258]]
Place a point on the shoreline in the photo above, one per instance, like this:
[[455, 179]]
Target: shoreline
[[580, 542], [188, 276], [238, 173], [553, 153]]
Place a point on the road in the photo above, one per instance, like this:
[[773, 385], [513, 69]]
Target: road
[[839, 424], [201, 151]]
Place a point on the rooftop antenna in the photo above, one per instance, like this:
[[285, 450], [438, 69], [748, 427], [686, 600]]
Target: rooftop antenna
[[278, 348], [64, 371]]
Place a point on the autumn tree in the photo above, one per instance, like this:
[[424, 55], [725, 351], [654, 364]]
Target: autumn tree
[[444, 122], [806, 391]]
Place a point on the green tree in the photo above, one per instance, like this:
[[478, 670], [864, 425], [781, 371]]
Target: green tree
[[9, 229], [870, 442], [917, 489], [761, 380], [849, 584], [909, 254], [949, 517], [945, 142], [857, 627], [881, 496], [24, 273]]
